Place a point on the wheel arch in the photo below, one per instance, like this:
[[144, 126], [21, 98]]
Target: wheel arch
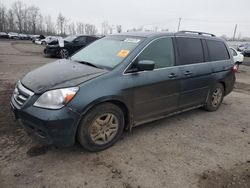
[[224, 85], [121, 104]]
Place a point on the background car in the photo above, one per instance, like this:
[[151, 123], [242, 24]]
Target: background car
[[242, 47], [246, 51], [69, 45], [13, 35], [24, 37], [238, 57], [48, 40], [37, 38], [4, 35]]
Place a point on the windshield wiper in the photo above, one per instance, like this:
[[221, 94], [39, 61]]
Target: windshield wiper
[[89, 64]]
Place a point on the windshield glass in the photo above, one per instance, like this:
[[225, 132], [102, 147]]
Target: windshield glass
[[107, 52], [70, 38]]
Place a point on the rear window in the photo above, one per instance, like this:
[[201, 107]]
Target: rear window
[[217, 50], [190, 50]]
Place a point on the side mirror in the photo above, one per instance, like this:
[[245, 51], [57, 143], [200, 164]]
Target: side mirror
[[75, 41], [145, 65]]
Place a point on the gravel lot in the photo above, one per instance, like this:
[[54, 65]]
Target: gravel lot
[[193, 149]]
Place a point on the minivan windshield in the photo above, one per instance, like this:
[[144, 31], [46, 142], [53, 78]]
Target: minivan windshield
[[107, 52]]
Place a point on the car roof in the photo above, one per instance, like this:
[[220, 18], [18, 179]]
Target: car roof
[[192, 34], [142, 34]]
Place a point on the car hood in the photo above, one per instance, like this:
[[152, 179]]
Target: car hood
[[59, 74]]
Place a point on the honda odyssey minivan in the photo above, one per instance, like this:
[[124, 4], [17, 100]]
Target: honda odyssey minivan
[[122, 81]]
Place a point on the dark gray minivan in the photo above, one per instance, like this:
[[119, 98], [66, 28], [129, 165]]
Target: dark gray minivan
[[121, 81]]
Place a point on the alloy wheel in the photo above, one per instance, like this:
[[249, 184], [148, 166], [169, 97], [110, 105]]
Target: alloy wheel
[[104, 128], [217, 97], [64, 53]]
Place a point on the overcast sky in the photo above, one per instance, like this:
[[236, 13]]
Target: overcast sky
[[216, 16]]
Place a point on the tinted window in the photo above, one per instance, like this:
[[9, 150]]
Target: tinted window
[[217, 50], [160, 51], [190, 50], [91, 39], [81, 39]]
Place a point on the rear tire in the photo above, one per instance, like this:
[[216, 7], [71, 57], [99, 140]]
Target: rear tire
[[101, 127], [215, 98]]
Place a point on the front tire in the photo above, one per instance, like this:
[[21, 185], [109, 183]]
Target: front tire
[[101, 127], [64, 53], [215, 98]]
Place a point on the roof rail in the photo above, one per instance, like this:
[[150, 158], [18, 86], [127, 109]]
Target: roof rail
[[197, 32]]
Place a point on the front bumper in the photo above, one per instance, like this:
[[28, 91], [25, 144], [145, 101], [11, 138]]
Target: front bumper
[[51, 51], [56, 127]]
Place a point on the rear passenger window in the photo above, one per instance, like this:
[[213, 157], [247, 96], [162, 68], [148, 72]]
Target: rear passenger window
[[190, 50], [160, 51], [217, 50]]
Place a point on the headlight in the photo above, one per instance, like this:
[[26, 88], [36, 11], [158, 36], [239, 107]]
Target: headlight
[[57, 98]]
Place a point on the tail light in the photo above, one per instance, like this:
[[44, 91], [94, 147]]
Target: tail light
[[234, 69]]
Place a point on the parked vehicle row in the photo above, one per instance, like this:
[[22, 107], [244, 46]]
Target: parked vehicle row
[[4, 35], [121, 81], [18, 36]]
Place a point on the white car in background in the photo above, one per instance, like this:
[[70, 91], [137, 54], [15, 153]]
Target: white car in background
[[238, 57], [47, 40]]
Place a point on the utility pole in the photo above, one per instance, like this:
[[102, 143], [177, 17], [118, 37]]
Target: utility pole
[[235, 29], [179, 24]]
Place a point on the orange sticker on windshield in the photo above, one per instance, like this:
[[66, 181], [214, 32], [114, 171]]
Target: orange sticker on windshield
[[123, 53]]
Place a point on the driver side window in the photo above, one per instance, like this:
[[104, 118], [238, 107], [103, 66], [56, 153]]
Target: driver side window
[[81, 39], [161, 51]]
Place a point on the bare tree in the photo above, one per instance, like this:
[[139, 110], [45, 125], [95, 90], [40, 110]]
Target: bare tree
[[3, 20], [33, 13], [71, 28], [41, 25], [61, 24], [28, 19], [11, 21], [18, 9], [90, 29], [49, 25], [80, 28], [118, 28], [105, 28]]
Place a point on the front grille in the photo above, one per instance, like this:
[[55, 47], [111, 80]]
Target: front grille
[[21, 94]]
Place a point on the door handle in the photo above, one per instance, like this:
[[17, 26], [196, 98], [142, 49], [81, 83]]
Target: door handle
[[172, 75], [187, 73]]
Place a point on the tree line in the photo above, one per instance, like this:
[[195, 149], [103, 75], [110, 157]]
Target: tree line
[[22, 18]]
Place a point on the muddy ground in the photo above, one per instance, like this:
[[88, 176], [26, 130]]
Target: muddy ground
[[193, 149]]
